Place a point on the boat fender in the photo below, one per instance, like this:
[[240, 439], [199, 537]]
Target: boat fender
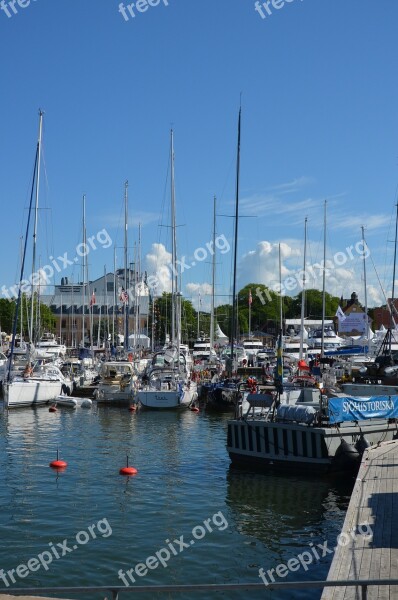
[[361, 444], [65, 389], [347, 454]]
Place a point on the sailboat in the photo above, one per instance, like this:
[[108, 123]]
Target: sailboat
[[167, 381], [224, 395], [39, 383]]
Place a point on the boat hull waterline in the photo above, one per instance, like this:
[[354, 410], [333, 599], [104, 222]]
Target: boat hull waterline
[[266, 445], [31, 392]]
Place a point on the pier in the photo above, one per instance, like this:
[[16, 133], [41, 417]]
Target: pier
[[367, 548]]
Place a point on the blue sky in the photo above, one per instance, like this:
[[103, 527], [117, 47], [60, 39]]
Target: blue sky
[[319, 121]]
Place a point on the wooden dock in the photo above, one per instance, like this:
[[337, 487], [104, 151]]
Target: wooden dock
[[368, 545]]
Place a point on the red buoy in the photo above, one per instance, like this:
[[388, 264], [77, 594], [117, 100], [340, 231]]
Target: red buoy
[[52, 408], [132, 408], [194, 409], [128, 470], [58, 464]]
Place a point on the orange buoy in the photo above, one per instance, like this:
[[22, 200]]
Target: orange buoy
[[58, 464], [53, 408], [128, 470]]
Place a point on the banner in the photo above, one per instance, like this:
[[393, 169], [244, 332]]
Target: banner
[[354, 323], [360, 409]]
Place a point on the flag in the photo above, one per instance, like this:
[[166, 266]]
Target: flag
[[92, 299], [340, 315], [250, 298], [123, 296]]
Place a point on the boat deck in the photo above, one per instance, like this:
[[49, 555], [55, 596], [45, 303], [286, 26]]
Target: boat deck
[[368, 546]]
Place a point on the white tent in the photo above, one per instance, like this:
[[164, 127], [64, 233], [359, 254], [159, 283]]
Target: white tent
[[220, 338], [140, 340]]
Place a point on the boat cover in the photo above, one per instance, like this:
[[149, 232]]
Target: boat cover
[[260, 400], [298, 414]]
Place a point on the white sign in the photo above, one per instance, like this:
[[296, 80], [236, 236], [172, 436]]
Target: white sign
[[355, 321]]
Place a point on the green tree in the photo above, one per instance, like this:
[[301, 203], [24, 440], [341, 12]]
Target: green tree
[[44, 319], [313, 308], [7, 311], [163, 306]]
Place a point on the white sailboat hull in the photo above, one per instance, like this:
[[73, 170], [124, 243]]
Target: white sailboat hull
[[150, 398], [31, 392], [159, 399], [112, 394]]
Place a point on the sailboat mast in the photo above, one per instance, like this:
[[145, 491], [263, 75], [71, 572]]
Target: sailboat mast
[[280, 292], [233, 324], [198, 319], [213, 277], [21, 317], [365, 286], [60, 323], [174, 279], [114, 296], [303, 293], [393, 279], [137, 294], [84, 273], [126, 283], [39, 143], [324, 281], [106, 334]]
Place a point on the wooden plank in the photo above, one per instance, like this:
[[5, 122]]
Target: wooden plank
[[373, 504]]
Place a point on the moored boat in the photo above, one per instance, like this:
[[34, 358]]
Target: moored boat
[[329, 437], [117, 384]]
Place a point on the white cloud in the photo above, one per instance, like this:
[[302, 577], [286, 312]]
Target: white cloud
[[262, 266], [158, 262], [370, 222], [193, 290]]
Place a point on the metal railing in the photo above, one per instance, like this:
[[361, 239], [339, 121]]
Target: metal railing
[[114, 591]]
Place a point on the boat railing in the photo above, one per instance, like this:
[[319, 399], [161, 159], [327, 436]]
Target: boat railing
[[266, 402], [363, 587]]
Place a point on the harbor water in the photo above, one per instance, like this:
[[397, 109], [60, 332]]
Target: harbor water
[[201, 520]]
